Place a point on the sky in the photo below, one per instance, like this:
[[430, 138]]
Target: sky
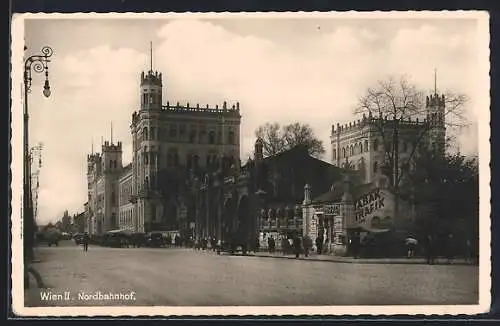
[[281, 70]]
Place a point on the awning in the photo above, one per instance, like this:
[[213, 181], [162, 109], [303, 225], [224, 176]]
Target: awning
[[364, 228], [125, 232]]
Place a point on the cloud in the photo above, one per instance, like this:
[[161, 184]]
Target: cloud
[[317, 81]]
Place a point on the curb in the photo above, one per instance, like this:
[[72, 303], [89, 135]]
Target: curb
[[361, 261]]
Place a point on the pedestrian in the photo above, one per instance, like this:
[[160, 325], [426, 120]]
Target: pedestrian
[[429, 248], [296, 246], [86, 242], [355, 245], [449, 248], [307, 243], [468, 251], [319, 244], [410, 244]]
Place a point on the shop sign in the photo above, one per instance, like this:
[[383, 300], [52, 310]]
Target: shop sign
[[368, 203]]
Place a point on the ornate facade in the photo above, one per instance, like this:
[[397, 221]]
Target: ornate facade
[[364, 143], [169, 142]]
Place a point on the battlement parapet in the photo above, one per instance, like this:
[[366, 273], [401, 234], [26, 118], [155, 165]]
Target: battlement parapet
[[152, 78], [93, 157], [109, 147], [435, 100], [234, 110], [370, 120]]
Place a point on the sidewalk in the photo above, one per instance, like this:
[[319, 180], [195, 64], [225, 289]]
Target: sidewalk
[[352, 260]]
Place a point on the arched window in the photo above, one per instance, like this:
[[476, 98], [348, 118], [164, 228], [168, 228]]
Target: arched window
[[176, 159], [231, 137], [375, 166], [334, 154], [145, 135], [153, 131], [146, 158], [189, 161], [360, 148], [211, 137], [375, 222], [366, 146], [343, 152], [351, 149], [375, 145]]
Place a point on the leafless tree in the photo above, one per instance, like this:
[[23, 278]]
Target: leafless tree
[[276, 139], [392, 102]]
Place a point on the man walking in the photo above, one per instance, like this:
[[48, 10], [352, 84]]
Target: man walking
[[297, 246], [86, 242]]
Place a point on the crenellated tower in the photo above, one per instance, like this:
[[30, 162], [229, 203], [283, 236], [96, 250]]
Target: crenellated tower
[[151, 88], [435, 107]]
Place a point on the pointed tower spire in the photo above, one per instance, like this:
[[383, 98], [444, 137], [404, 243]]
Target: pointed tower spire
[[435, 81], [92, 146], [151, 55], [111, 132]]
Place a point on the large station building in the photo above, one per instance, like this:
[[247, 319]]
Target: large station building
[[169, 142]]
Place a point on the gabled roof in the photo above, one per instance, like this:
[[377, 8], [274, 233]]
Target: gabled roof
[[335, 194]]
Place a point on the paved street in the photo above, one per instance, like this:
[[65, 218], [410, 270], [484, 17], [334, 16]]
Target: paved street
[[184, 277]]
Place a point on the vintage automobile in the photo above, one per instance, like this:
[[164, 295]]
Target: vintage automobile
[[155, 240]]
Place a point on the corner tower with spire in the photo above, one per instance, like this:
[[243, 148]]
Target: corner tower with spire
[[435, 106], [151, 87]]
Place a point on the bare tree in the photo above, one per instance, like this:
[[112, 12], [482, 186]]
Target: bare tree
[[392, 102], [276, 139], [273, 142]]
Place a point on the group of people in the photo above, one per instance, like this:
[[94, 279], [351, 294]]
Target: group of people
[[296, 244]]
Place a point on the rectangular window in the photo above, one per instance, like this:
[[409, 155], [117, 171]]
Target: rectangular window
[[173, 131], [153, 133], [231, 137]]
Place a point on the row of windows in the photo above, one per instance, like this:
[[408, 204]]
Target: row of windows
[[173, 159], [151, 98], [125, 192], [202, 136], [126, 218], [113, 164], [359, 148]]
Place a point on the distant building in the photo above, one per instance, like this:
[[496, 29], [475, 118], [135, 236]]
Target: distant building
[[126, 213], [360, 144], [103, 172]]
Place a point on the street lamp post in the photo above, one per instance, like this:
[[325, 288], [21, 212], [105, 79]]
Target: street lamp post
[[37, 63]]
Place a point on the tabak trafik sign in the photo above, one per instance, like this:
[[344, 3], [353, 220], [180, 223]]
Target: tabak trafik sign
[[369, 203]]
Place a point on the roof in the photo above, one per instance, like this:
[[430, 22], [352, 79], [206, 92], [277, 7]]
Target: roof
[[335, 194]]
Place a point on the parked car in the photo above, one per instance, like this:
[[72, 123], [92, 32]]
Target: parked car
[[155, 239]]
